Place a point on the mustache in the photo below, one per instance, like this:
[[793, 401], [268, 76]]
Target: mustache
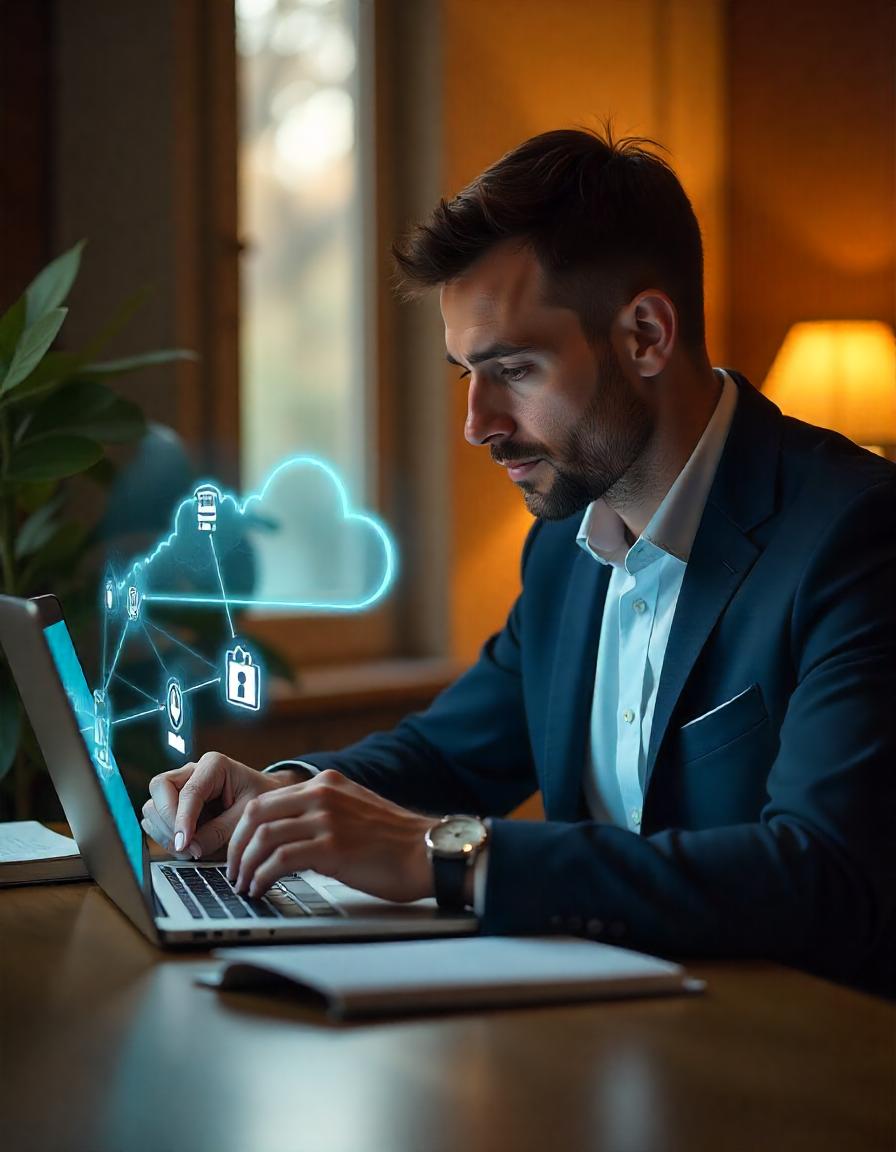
[[509, 453]]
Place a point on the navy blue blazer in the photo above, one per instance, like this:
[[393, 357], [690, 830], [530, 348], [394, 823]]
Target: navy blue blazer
[[768, 825]]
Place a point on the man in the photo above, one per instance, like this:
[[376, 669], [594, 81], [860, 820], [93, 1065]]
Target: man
[[700, 671]]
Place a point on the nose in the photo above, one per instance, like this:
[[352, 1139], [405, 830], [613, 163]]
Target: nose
[[488, 419]]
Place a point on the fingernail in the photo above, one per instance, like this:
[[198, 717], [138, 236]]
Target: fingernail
[[178, 842], [194, 850]]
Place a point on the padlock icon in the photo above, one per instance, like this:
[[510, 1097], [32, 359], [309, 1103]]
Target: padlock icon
[[242, 678]]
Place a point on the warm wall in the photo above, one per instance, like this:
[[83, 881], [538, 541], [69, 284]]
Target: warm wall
[[513, 68], [813, 169]]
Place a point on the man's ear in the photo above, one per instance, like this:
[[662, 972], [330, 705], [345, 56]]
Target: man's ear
[[647, 331]]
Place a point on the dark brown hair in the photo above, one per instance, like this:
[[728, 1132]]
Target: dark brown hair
[[606, 219]]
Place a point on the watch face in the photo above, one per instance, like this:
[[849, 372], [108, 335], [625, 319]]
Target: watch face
[[458, 836]]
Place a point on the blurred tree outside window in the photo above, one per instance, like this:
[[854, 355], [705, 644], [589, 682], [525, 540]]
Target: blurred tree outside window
[[301, 190]]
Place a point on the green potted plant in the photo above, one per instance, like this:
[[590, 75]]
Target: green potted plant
[[58, 420]]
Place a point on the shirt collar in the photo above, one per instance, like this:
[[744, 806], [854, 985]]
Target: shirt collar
[[674, 524]]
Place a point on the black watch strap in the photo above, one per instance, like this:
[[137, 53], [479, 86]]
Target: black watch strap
[[449, 877]]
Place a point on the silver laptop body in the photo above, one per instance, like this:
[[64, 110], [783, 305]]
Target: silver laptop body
[[172, 902]]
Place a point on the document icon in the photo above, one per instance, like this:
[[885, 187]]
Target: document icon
[[174, 705], [243, 679]]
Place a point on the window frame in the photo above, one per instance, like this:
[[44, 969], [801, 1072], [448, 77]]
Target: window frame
[[406, 479]]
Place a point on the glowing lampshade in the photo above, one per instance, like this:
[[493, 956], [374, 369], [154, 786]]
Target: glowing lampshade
[[839, 374]]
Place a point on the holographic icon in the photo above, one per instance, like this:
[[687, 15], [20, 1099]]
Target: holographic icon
[[216, 538], [174, 705], [207, 497], [242, 678], [101, 731]]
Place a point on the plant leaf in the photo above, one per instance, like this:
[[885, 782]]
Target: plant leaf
[[32, 346], [87, 408], [38, 528], [51, 286], [12, 325], [122, 316], [52, 458], [134, 363], [30, 496], [10, 727], [59, 555], [102, 473], [55, 367], [58, 367]]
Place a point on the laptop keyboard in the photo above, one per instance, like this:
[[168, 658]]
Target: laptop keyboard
[[207, 893]]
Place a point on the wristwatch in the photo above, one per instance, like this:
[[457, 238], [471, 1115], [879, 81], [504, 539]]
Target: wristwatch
[[452, 844]]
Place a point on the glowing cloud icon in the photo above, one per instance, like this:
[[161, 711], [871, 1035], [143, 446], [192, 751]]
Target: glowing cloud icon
[[296, 545]]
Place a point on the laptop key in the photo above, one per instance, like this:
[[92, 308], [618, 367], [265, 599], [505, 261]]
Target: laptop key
[[183, 894]]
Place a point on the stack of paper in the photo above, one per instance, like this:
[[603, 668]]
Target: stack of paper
[[415, 975], [32, 854]]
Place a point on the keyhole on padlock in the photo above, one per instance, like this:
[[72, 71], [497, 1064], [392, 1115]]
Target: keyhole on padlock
[[241, 680]]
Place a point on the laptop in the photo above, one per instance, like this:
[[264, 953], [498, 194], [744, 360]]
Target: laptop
[[174, 903]]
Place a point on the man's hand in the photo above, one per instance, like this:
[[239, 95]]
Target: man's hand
[[193, 810], [337, 828]]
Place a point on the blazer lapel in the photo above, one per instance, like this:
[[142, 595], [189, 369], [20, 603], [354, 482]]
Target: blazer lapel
[[572, 689], [741, 497]]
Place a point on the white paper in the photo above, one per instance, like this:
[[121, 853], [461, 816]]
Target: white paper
[[22, 840], [473, 971]]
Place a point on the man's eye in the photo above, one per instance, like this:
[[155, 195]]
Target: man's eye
[[515, 375], [463, 374]]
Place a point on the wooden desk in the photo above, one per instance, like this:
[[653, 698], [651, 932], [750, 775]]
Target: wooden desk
[[107, 1046]]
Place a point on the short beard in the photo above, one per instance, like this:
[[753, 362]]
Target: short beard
[[591, 469]]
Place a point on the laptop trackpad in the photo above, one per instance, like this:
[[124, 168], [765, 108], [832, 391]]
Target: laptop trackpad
[[357, 903]]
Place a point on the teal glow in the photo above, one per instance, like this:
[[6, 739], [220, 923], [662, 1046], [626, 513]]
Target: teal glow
[[81, 699], [300, 536], [139, 571]]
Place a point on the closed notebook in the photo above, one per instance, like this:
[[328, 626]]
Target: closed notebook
[[416, 975], [33, 854]]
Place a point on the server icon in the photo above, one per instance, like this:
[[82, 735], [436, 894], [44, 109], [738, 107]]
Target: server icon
[[207, 498]]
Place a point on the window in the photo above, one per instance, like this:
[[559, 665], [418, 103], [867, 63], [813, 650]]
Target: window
[[333, 162], [304, 282]]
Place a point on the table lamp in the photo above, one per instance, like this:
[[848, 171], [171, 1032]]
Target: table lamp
[[839, 374]]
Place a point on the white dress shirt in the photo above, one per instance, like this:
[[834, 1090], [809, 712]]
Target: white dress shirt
[[637, 618]]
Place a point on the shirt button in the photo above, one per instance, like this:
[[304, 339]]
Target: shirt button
[[594, 927], [639, 606], [628, 715], [635, 815]]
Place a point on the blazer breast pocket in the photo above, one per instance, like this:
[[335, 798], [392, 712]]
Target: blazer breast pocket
[[722, 725]]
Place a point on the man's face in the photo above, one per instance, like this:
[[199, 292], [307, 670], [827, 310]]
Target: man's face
[[558, 413]]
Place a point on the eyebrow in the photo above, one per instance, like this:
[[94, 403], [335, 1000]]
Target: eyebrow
[[492, 352]]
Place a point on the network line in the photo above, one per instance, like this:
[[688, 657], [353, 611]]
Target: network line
[[124, 633], [186, 647], [158, 707], [211, 541], [152, 645], [196, 687], [138, 715], [149, 696]]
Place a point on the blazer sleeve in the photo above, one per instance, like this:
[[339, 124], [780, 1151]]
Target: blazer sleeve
[[813, 881], [469, 751]]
